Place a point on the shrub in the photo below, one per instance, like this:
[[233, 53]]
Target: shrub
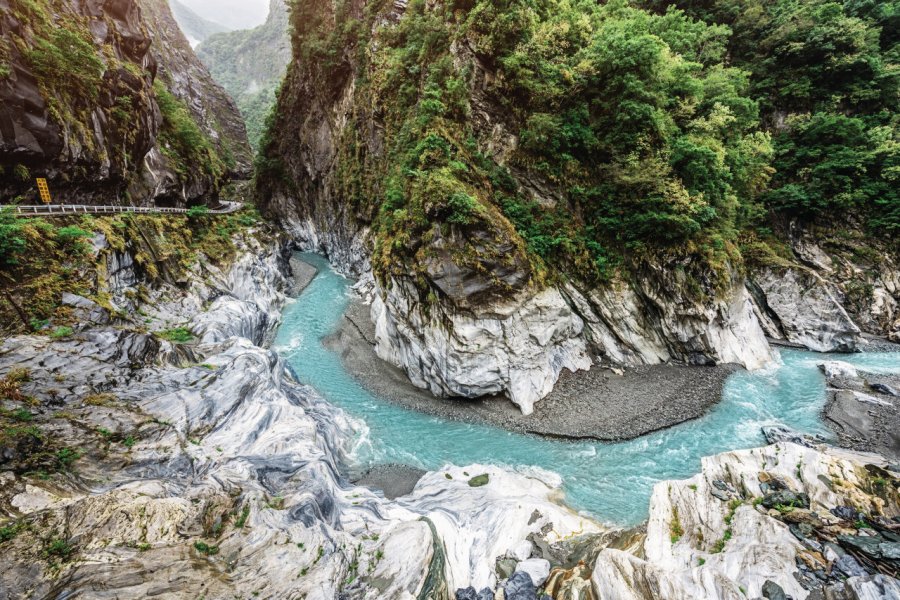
[[206, 549], [68, 61], [197, 212], [73, 237], [463, 208], [12, 238], [182, 138], [62, 333], [179, 335]]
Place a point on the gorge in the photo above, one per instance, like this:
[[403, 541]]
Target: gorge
[[520, 299]]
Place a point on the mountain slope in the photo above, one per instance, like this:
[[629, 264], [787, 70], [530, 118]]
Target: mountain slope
[[233, 14], [506, 242], [541, 186], [195, 27], [250, 65], [94, 98]]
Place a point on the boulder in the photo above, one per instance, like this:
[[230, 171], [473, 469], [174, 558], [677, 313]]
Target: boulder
[[536, 568], [520, 587]]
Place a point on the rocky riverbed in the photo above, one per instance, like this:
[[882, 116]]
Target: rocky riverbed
[[599, 404], [134, 465], [864, 409], [137, 466]]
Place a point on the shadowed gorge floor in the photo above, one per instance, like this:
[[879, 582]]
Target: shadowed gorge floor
[[610, 481]]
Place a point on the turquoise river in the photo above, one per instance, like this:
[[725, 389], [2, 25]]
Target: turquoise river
[[610, 481]]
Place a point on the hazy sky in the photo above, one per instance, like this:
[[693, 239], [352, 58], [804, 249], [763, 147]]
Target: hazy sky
[[234, 14]]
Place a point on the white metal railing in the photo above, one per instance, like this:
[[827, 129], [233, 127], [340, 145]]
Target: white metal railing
[[83, 209]]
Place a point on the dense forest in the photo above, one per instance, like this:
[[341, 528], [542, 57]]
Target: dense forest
[[685, 127]]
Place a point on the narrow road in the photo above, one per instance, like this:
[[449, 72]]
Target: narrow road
[[54, 210]]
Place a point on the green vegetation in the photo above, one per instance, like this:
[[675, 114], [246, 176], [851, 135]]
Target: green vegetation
[[825, 74], [479, 480], [61, 333], [179, 335], [67, 57], [676, 531], [206, 549], [182, 139], [8, 532], [59, 548], [645, 128], [250, 65], [733, 505], [242, 519], [41, 259]]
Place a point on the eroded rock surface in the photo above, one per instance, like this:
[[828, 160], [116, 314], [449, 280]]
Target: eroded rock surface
[[84, 112], [457, 303], [170, 464], [712, 537]]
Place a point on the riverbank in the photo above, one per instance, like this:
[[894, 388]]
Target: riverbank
[[862, 410], [595, 405]]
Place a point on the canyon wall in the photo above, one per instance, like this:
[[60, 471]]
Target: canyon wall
[[107, 101], [463, 305]]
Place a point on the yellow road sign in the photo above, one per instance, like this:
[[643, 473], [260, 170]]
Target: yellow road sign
[[44, 190]]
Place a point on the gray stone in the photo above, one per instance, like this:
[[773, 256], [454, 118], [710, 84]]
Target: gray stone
[[536, 568], [786, 498], [468, 593], [505, 567], [882, 388], [520, 587], [773, 591]]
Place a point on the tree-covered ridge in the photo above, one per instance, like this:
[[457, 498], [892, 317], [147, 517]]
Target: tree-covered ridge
[[250, 65], [592, 134], [827, 76]]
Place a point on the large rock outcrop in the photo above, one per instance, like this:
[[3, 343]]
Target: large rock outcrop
[[183, 462], [463, 307], [755, 521], [79, 104], [831, 290]]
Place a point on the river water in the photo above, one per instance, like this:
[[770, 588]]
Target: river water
[[609, 481]]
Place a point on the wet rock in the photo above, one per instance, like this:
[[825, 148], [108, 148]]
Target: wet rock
[[571, 584], [720, 495], [837, 369], [805, 310], [847, 513], [505, 567], [775, 434], [873, 587], [870, 545], [518, 348], [743, 546], [468, 593], [890, 550], [522, 551]]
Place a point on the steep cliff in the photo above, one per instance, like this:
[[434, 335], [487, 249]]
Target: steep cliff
[[828, 288], [93, 99], [250, 65], [221, 150], [404, 143]]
